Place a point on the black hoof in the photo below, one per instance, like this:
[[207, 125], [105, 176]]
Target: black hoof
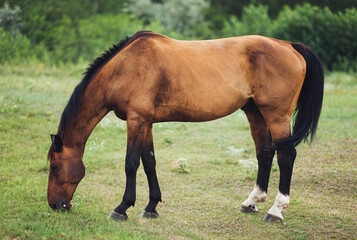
[[271, 218], [117, 216], [248, 209], [146, 214]]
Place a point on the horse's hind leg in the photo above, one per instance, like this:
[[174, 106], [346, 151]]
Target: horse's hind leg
[[149, 162], [281, 130], [264, 152]]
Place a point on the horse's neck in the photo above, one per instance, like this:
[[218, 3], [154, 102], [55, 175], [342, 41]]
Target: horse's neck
[[91, 110]]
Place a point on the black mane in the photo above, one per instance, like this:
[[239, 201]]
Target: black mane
[[72, 106]]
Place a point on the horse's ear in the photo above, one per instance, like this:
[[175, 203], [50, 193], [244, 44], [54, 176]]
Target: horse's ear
[[57, 142]]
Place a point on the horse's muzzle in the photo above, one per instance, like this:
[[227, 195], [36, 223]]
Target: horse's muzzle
[[62, 206]]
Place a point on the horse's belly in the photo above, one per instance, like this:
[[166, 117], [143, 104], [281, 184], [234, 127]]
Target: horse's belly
[[200, 107]]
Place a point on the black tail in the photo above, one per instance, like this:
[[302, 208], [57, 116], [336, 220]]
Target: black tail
[[308, 107]]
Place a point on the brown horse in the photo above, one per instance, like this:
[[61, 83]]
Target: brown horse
[[149, 78]]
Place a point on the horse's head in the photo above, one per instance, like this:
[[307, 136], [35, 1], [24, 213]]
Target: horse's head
[[66, 171]]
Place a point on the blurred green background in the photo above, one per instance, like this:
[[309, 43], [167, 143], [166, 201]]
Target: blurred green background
[[71, 31]]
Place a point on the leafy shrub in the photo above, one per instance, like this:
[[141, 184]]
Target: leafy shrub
[[100, 32], [13, 48], [97, 34], [10, 19], [344, 41], [331, 36], [182, 16], [254, 20]]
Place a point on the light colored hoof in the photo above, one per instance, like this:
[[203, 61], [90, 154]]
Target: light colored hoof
[[117, 216], [248, 209], [146, 214], [271, 218]]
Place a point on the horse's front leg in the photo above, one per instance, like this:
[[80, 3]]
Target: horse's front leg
[[136, 131], [149, 163]]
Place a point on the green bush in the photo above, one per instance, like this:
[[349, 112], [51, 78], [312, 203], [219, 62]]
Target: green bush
[[254, 20], [13, 48], [331, 36], [175, 16], [96, 34], [10, 19], [100, 32], [344, 41]]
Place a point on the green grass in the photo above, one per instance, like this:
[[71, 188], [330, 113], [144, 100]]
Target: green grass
[[202, 203]]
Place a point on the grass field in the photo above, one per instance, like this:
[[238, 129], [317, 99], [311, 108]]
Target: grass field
[[206, 170]]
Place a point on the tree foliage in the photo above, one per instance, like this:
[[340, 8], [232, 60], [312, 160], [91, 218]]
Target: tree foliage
[[10, 19], [331, 36], [254, 20], [13, 47], [69, 31], [174, 15]]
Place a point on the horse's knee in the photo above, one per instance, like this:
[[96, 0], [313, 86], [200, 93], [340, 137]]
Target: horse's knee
[[131, 166]]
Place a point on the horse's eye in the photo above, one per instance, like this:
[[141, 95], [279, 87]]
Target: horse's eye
[[53, 167]]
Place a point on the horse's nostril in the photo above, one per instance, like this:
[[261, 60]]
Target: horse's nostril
[[53, 206], [64, 205]]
